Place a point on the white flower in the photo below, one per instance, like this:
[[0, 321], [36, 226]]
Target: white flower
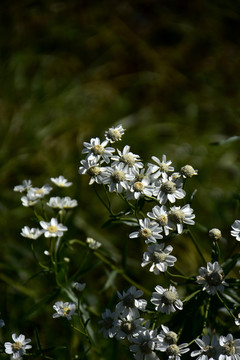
[[62, 203], [78, 286], [175, 351], [64, 309], [29, 200], [26, 185], [108, 321], [128, 326], [129, 160], [159, 257], [212, 278], [140, 188], [93, 169], [162, 167], [53, 229], [2, 323], [32, 233], [160, 215], [114, 133], [181, 215], [116, 178], [93, 244], [61, 181], [230, 348], [19, 347], [130, 302], [39, 193], [166, 337], [145, 344], [188, 171], [96, 150], [149, 231], [236, 230], [207, 351], [166, 300], [237, 320], [169, 189]]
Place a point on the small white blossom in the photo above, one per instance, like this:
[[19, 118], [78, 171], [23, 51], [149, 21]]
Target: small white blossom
[[181, 215], [64, 309], [166, 300], [62, 203], [169, 189], [160, 215], [61, 181], [96, 150], [175, 351], [159, 257], [212, 278], [32, 233], [236, 230], [93, 169], [145, 344], [130, 302], [93, 244], [149, 231], [39, 193], [230, 348], [53, 228], [161, 167], [108, 321], [79, 286], [129, 160], [237, 320], [128, 326], [114, 134], [166, 337], [29, 200], [19, 347], [140, 188], [116, 178], [26, 185], [208, 350]]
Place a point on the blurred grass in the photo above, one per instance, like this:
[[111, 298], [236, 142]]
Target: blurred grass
[[168, 71]]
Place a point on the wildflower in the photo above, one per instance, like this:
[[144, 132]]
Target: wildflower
[[93, 169], [62, 203], [78, 286], [19, 347], [149, 231], [212, 278], [61, 181], [159, 257], [166, 300], [145, 344], [237, 320], [53, 229], [236, 230], [96, 150], [129, 160], [128, 326], [140, 188], [116, 178], [108, 321], [29, 200], [188, 171], [215, 234], [162, 167], [230, 348], [26, 185], [207, 351], [64, 309], [175, 351], [167, 337], [160, 215], [32, 233], [130, 302], [93, 244], [114, 134], [181, 215], [39, 193], [169, 189]]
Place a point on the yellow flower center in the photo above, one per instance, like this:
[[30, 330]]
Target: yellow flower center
[[98, 149], [16, 346], [138, 186], [128, 159], [52, 229], [145, 233], [169, 187]]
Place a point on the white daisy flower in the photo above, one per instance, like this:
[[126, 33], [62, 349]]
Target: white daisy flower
[[53, 228], [160, 215], [188, 171], [64, 309], [93, 169], [169, 189], [145, 344], [161, 167], [166, 300], [96, 150], [128, 326], [116, 178], [114, 134], [130, 302], [129, 160], [236, 230], [208, 350], [159, 257], [230, 348], [39, 193], [181, 215], [19, 347], [93, 244], [108, 321], [212, 278], [26, 185], [139, 189], [62, 203], [61, 181], [237, 320], [149, 231], [175, 351], [29, 200], [32, 233], [167, 337]]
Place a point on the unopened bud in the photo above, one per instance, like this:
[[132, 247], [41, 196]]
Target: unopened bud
[[215, 234]]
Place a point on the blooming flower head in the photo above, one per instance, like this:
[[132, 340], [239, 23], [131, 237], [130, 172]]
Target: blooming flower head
[[149, 231], [230, 348], [166, 300], [93, 169], [129, 160], [145, 344], [130, 302], [212, 278], [167, 337], [139, 188], [236, 230], [29, 200], [32, 233], [128, 326], [97, 150], [18, 347], [93, 244], [159, 257], [39, 193], [61, 181], [237, 320], [62, 203], [64, 309], [175, 351], [79, 286], [160, 215], [26, 185], [208, 350], [161, 167], [108, 322], [116, 178], [53, 228], [181, 215], [169, 189], [114, 134]]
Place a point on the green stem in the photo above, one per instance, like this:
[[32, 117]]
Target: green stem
[[196, 245], [225, 305]]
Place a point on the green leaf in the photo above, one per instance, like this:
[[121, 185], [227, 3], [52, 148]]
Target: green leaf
[[229, 264]]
